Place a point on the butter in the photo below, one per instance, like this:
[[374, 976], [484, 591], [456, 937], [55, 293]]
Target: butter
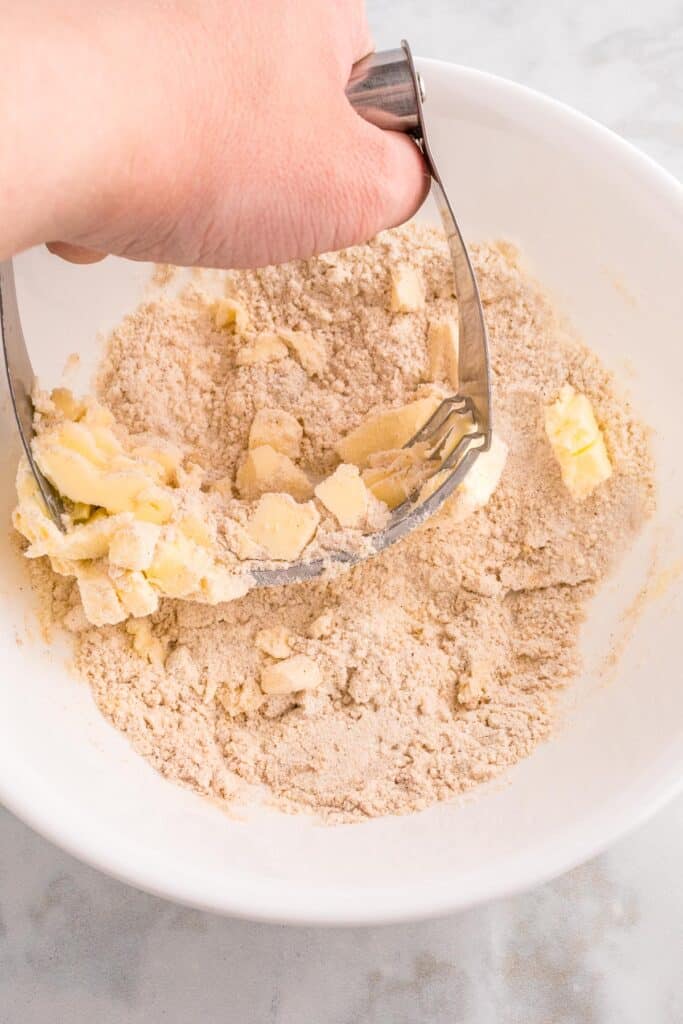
[[100, 601], [309, 350], [178, 565], [263, 469], [281, 527], [277, 429], [386, 431], [145, 643], [344, 495], [407, 289], [577, 443], [230, 312], [291, 675], [132, 546], [135, 592]]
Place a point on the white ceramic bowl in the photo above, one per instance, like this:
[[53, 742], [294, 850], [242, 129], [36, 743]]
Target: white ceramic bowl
[[603, 228]]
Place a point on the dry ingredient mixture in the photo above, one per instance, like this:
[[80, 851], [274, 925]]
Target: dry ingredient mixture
[[438, 663]]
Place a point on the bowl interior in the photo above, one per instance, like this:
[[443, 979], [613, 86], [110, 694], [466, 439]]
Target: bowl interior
[[603, 229]]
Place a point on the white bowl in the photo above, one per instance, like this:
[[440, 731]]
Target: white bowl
[[603, 228]]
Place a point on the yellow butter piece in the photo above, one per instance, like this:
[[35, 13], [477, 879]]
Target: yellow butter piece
[[291, 675], [153, 505], [282, 527], [168, 456], [274, 641], [178, 565], [145, 643], [577, 443], [220, 584], [100, 601], [135, 592], [276, 428], [264, 469], [132, 546], [65, 402], [443, 348], [309, 350], [230, 312], [407, 289], [387, 430], [87, 464], [267, 348], [344, 495]]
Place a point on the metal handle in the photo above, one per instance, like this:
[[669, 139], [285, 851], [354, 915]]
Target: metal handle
[[382, 89], [386, 90]]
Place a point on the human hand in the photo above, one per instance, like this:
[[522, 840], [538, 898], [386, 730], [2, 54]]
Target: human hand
[[211, 132]]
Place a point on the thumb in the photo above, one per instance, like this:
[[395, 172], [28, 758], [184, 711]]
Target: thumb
[[392, 180]]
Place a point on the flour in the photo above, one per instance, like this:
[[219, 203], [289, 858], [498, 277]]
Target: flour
[[442, 658]]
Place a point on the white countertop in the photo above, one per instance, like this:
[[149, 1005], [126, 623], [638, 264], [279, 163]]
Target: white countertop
[[599, 946]]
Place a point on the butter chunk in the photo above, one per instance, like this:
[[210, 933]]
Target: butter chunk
[[145, 643], [296, 673], [386, 430], [231, 313], [267, 348], [178, 565], [282, 527], [71, 408], [278, 429], [309, 350], [99, 598], [443, 348], [577, 443], [274, 641], [393, 476], [407, 289], [265, 470], [344, 495], [135, 592], [132, 546]]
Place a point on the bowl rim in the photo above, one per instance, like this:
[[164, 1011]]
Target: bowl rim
[[284, 902]]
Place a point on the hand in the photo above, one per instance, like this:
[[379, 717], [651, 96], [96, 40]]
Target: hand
[[211, 132]]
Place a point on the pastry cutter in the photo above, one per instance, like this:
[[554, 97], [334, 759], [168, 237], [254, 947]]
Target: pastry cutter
[[386, 90]]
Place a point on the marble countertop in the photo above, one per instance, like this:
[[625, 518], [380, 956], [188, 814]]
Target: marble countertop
[[601, 945]]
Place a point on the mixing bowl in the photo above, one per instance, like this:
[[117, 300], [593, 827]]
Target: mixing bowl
[[602, 227]]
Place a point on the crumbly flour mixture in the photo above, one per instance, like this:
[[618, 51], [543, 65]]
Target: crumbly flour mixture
[[441, 659]]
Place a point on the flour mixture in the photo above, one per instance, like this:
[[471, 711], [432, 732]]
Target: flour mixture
[[415, 675]]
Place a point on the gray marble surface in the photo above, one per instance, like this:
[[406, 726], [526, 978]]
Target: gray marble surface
[[601, 945]]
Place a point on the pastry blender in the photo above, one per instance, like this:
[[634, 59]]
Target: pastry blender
[[386, 90]]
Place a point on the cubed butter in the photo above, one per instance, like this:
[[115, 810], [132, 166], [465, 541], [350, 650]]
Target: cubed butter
[[132, 546], [135, 592], [443, 349], [178, 565], [387, 430], [291, 675], [309, 350], [264, 469], [282, 527], [231, 312], [98, 597], [407, 289], [344, 495], [278, 429], [267, 348], [145, 643], [577, 443]]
